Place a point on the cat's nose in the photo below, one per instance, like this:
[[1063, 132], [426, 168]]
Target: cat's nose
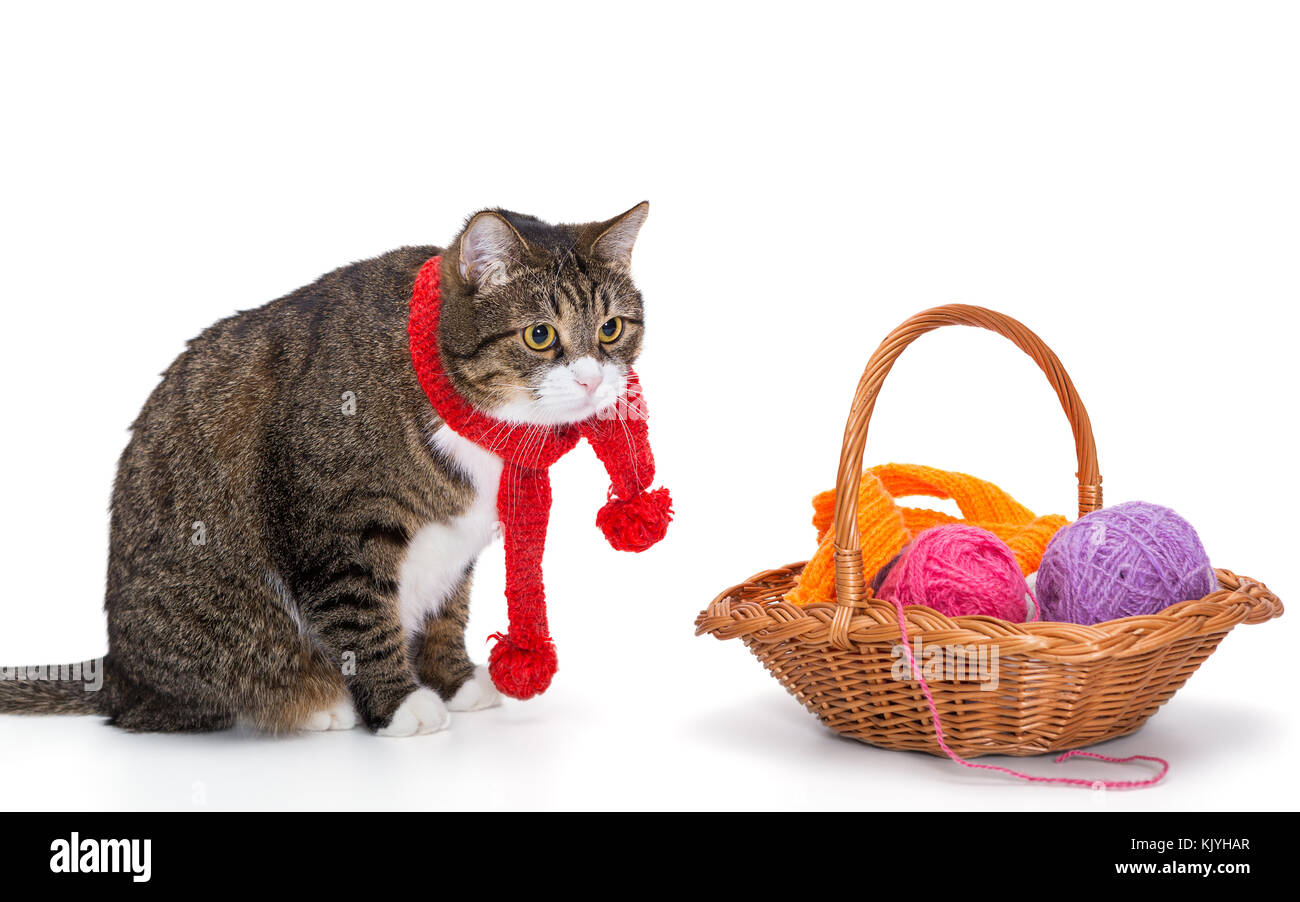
[[586, 372]]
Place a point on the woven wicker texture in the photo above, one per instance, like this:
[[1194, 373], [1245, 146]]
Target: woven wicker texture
[[1059, 685]]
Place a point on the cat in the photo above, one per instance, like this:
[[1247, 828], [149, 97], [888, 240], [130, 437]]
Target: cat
[[294, 530]]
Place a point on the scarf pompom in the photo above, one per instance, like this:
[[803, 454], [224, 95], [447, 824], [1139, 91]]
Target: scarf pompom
[[636, 523], [521, 672]]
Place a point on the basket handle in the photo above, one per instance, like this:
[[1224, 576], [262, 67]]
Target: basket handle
[[850, 581]]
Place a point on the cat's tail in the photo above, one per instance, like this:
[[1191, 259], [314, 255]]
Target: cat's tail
[[53, 689]]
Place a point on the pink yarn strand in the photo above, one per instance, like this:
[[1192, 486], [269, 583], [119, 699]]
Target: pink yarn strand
[[1067, 781]]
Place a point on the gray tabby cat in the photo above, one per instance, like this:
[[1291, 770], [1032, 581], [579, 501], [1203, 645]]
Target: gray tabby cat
[[294, 530]]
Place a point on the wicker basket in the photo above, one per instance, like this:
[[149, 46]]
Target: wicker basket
[[1059, 685]]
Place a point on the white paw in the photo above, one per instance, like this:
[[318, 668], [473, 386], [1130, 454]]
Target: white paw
[[422, 712], [476, 693], [318, 722], [342, 716]]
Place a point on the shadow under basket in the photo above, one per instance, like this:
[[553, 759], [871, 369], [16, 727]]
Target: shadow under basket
[[1013, 688]]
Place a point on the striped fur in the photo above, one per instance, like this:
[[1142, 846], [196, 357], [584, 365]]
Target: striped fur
[[264, 505]]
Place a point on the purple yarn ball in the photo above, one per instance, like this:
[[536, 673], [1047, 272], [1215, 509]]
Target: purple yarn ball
[[1123, 561]]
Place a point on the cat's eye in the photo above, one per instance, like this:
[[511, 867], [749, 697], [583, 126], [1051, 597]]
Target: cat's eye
[[540, 337], [612, 329]]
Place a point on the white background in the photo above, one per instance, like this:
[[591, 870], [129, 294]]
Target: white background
[[1120, 176]]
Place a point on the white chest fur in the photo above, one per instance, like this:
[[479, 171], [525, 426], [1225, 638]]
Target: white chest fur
[[439, 554]]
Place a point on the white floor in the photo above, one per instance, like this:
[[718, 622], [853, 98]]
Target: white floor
[[590, 744]]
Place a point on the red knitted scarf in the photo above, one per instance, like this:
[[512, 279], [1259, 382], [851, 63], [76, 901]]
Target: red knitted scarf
[[523, 661]]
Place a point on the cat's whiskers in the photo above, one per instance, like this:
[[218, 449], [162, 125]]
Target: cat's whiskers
[[627, 436], [503, 437], [531, 437]]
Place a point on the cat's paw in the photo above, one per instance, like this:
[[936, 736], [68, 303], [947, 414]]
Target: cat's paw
[[422, 712], [340, 716], [476, 693]]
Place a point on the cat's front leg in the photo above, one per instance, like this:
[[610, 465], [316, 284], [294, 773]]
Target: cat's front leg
[[440, 658], [350, 605]]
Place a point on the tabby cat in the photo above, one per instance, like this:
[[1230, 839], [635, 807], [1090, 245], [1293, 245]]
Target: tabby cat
[[293, 528]]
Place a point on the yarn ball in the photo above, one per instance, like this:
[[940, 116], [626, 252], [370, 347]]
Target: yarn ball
[[1123, 561], [636, 523], [960, 571]]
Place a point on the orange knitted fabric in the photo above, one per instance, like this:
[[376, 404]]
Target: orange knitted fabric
[[884, 527]]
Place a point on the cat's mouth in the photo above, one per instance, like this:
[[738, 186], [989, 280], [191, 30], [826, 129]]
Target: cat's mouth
[[567, 395]]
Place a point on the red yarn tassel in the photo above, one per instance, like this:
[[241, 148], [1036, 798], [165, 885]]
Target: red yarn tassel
[[633, 519], [523, 662]]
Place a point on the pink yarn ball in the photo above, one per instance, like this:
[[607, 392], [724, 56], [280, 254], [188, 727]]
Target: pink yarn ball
[[960, 571]]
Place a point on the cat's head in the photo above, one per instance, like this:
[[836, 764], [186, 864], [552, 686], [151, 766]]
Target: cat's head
[[540, 322]]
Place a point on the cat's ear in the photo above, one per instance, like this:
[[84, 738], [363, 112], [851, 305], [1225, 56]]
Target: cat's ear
[[489, 247], [614, 239]]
